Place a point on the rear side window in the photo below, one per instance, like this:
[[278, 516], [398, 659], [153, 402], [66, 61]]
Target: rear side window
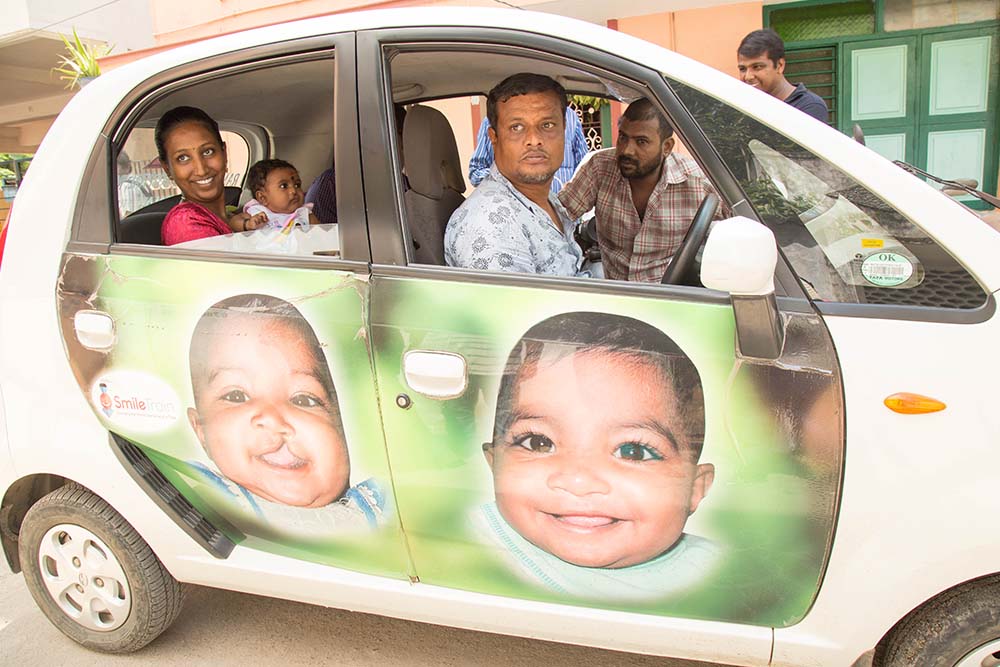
[[844, 242]]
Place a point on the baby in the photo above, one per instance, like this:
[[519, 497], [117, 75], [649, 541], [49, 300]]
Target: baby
[[598, 431], [267, 415], [277, 191]]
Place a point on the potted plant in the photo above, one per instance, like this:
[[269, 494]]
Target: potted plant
[[79, 66]]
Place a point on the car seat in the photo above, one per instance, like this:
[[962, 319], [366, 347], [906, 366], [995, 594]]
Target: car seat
[[143, 226], [432, 166]]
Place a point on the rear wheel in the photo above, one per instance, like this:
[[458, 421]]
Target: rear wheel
[[92, 575], [959, 628]]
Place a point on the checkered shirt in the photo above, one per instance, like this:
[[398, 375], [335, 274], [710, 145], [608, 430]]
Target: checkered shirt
[[633, 248]]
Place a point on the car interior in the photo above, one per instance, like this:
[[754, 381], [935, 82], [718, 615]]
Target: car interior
[[287, 111]]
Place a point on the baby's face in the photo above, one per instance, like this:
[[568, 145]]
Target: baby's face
[[593, 468], [264, 417], [282, 191]]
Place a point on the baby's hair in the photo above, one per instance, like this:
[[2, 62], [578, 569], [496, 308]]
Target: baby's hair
[[617, 335], [257, 176], [175, 117], [269, 310]]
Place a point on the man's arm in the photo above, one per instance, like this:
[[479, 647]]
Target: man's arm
[[482, 158], [580, 194]]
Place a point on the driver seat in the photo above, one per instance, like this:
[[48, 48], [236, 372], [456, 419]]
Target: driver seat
[[433, 168]]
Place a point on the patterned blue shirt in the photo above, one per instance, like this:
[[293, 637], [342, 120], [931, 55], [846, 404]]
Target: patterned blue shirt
[[499, 229], [574, 151]]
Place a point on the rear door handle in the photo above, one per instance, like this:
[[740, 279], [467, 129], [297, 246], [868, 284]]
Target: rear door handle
[[436, 374], [94, 329]]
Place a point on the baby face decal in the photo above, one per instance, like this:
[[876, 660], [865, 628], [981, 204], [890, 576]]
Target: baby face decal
[[264, 414], [594, 467]]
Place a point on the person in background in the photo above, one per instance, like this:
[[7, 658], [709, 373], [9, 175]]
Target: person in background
[[761, 61], [643, 194], [573, 153]]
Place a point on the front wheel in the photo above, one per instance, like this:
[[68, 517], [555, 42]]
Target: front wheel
[[92, 575], [959, 628]]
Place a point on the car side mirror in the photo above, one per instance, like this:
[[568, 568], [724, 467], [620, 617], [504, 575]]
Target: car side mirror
[[740, 257]]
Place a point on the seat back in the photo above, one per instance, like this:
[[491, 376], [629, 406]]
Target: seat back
[[143, 226], [432, 165]]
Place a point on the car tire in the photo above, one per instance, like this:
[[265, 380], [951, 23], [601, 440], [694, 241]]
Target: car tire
[[92, 575], [959, 628]]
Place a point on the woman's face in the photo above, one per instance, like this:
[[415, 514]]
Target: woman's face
[[196, 162]]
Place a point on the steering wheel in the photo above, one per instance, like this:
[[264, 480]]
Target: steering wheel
[[681, 271]]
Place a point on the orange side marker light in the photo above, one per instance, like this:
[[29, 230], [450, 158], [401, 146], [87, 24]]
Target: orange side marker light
[[906, 403]]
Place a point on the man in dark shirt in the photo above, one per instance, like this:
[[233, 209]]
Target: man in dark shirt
[[761, 61]]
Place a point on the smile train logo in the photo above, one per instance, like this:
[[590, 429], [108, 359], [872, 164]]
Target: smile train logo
[[106, 404], [134, 401]]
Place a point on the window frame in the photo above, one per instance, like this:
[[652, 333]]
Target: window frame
[[96, 217]]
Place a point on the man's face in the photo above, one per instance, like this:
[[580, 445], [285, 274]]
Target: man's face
[[640, 149], [528, 140], [761, 72], [593, 468]]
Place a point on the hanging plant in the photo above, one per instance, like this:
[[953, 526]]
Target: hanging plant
[[80, 62]]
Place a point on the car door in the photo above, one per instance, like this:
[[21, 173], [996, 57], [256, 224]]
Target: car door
[[232, 372], [906, 312], [456, 351]]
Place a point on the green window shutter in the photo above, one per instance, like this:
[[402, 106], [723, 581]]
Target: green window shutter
[[817, 68]]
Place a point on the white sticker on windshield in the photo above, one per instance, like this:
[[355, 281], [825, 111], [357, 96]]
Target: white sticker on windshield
[[886, 269]]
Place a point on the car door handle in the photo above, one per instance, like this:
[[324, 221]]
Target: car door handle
[[436, 374], [94, 329]]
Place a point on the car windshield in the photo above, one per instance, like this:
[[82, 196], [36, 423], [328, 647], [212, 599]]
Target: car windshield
[[844, 242]]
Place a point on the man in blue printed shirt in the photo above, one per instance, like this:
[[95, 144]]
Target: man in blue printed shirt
[[513, 221], [573, 153]]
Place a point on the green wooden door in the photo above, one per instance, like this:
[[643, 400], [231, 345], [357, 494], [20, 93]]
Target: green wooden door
[[929, 99], [881, 94], [957, 115]]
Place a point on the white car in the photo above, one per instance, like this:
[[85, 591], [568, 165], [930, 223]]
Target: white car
[[301, 412]]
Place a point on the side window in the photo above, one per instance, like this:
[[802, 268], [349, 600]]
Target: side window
[[447, 158], [283, 112], [845, 243]]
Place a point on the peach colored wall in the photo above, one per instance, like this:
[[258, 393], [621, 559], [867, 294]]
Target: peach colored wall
[[655, 28], [183, 20], [712, 35], [709, 35]]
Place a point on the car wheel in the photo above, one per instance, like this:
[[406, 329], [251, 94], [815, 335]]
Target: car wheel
[[92, 575], [959, 628]]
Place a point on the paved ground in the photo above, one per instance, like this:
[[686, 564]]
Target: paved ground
[[224, 628]]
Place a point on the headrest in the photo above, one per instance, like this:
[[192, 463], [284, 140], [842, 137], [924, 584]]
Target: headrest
[[430, 153]]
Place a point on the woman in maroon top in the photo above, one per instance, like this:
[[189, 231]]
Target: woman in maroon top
[[191, 151]]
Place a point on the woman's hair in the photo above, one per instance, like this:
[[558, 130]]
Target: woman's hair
[[269, 311], [175, 117], [617, 335], [257, 174]]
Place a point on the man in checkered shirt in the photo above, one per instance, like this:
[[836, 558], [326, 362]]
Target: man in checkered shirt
[[644, 196]]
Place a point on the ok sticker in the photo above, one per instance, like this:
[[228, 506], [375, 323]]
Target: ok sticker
[[886, 269]]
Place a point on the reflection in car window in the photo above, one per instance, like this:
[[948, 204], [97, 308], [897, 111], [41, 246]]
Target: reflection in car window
[[845, 243]]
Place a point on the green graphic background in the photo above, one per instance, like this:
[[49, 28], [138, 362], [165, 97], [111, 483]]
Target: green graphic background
[[766, 508], [769, 508], [156, 304]]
